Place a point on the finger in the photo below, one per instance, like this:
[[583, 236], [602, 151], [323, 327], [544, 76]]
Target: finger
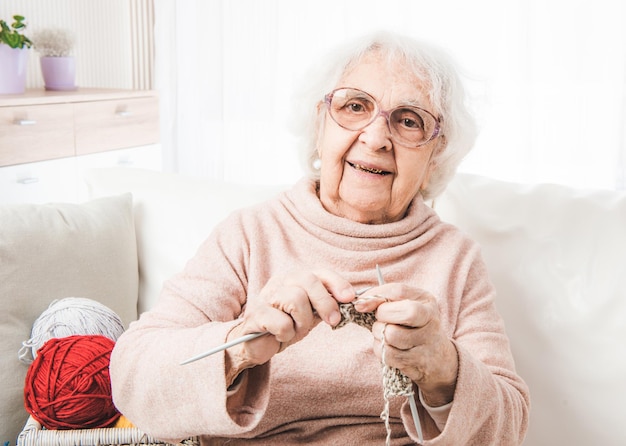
[[338, 287], [431, 356], [272, 320], [368, 303], [259, 350], [285, 294], [396, 336], [399, 291], [398, 350], [294, 301], [407, 312], [324, 303], [324, 289], [411, 362], [404, 305], [374, 297]]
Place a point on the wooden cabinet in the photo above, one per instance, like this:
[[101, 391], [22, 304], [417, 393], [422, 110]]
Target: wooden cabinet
[[36, 132], [103, 125], [48, 138], [42, 125]]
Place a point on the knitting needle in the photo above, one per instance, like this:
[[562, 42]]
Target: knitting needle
[[241, 339], [379, 274], [412, 404], [416, 418], [244, 338]]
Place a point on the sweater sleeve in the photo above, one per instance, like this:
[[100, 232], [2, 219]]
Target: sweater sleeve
[[438, 414], [194, 313], [491, 402]]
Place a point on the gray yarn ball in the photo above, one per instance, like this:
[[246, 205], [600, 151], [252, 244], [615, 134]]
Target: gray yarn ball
[[67, 317]]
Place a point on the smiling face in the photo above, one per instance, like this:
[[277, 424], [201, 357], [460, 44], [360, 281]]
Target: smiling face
[[364, 175]]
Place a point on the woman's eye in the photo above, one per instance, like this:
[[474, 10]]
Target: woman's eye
[[410, 120], [410, 123], [356, 107]]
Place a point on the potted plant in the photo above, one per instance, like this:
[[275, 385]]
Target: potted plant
[[58, 66], [13, 56]]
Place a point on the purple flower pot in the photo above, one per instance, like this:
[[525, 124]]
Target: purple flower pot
[[13, 64], [59, 73]]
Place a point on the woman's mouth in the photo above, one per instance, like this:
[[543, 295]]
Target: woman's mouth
[[368, 169]]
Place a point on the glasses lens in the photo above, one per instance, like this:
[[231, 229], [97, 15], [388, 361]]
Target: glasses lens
[[412, 125], [352, 109]]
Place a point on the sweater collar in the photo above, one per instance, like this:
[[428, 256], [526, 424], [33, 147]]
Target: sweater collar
[[306, 207]]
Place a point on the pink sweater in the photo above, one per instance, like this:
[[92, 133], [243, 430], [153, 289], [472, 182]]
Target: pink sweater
[[326, 389]]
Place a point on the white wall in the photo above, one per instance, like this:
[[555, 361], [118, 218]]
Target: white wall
[[113, 38], [547, 79]]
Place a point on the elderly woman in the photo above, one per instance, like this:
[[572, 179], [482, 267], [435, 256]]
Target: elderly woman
[[388, 128]]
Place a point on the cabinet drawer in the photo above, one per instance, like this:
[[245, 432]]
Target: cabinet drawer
[[39, 182], [144, 157], [36, 133], [116, 124]]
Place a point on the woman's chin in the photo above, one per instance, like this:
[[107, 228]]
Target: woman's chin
[[368, 213]]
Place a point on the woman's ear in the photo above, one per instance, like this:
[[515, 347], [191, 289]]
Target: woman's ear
[[429, 171], [319, 127], [432, 162]]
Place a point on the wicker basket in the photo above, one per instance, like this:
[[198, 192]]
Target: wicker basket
[[34, 435]]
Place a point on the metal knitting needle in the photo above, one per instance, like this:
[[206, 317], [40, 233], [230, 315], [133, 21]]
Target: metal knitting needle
[[229, 344], [416, 418], [379, 275], [412, 404], [241, 339]]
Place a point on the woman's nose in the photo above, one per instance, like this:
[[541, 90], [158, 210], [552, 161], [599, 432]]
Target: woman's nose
[[377, 135]]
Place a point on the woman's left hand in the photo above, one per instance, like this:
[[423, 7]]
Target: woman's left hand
[[415, 342]]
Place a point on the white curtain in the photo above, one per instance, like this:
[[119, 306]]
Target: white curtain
[[547, 80]]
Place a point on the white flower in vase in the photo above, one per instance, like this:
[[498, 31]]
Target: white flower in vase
[[58, 66]]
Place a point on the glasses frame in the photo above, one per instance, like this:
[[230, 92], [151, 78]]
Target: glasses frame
[[385, 113]]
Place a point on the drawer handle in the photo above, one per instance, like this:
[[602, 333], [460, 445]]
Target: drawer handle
[[123, 114], [29, 180], [125, 161], [25, 122]]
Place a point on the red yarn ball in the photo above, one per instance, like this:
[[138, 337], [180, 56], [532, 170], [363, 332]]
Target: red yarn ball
[[68, 384]]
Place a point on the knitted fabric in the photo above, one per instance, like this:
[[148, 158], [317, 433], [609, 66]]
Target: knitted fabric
[[395, 383]]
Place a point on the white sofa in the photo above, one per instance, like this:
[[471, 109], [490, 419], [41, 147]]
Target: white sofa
[[555, 254]]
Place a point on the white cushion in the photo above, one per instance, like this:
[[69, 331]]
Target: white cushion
[[173, 214], [556, 256], [50, 252]]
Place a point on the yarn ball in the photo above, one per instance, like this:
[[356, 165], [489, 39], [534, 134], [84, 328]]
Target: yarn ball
[[122, 422], [68, 385], [71, 316]]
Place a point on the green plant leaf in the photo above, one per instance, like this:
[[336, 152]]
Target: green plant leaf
[[11, 35]]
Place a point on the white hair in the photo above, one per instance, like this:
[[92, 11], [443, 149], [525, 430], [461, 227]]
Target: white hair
[[431, 65]]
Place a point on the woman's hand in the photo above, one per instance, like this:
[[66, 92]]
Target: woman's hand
[[288, 308], [415, 342]]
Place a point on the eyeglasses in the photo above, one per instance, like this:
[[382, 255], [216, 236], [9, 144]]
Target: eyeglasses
[[354, 109]]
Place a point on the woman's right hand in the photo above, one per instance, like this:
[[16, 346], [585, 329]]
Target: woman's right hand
[[288, 308]]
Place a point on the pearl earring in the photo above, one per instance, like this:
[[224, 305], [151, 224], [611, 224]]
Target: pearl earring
[[317, 164]]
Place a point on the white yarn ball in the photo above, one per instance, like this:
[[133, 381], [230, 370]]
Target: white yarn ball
[[71, 316]]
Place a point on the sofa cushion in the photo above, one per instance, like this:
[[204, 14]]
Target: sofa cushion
[[173, 215], [556, 256], [53, 251]]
